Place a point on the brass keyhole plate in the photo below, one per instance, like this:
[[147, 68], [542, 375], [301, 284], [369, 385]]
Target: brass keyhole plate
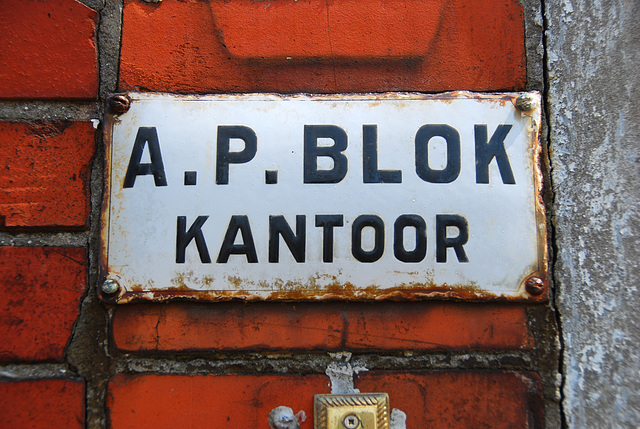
[[357, 411]]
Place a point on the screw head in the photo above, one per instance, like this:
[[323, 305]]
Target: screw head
[[119, 103], [351, 421], [109, 287], [535, 286], [526, 103]]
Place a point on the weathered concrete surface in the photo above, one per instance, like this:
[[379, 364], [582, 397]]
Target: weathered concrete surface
[[593, 63]]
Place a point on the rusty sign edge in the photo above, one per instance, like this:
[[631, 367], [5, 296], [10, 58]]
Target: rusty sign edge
[[344, 292]]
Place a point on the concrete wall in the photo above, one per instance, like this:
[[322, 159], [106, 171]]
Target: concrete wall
[[593, 58]]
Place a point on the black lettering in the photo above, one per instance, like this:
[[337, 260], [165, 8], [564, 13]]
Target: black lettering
[[327, 222], [248, 248], [358, 225], [485, 152], [420, 226], [184, 237], [224, 156], [451, 171], [370, 172], [190, 178], [296, 243], [443, 242], [156, 167], [271, 177], [312, 151]]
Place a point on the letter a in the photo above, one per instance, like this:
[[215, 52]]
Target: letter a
[[156, 167]]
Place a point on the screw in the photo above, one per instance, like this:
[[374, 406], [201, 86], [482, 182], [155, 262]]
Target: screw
[[109, 287], [526, 103], [351, 421], [119, 103], [535, 286]]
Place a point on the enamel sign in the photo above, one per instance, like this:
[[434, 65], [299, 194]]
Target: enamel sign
[[359, 197]]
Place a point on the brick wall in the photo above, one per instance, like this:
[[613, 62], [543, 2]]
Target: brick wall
[[70, 361]]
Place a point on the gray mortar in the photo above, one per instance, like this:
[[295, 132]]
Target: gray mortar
[[87, 352], [109, 37], [546, 355], [593, 63], [93, 4], [22, 238], [533, 23], [33, 110], [35, 371], [542, 319], [250, 363]]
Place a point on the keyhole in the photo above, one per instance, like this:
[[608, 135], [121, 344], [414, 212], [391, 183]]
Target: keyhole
[[351, 421]]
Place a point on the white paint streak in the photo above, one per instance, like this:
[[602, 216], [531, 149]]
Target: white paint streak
[[340, 373], [398, 419]]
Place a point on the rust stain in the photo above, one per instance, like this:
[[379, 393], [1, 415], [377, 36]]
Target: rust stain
[[289, 291], [394, 294]]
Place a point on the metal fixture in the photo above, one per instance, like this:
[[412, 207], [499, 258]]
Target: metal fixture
[[110, 287], [119, 103], [353, 411], [526, 103], [535, 286]]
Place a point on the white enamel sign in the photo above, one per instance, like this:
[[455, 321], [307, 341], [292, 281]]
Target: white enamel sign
[[385, 196]]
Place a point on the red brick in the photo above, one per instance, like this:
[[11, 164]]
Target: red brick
[[40, 293], [442, 399], [42, 404], [349, 28], [48, 49], [314, 326], [227, 326], [190, 402], [461, 399], [427, 326], [243, 45], [45, 173]]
